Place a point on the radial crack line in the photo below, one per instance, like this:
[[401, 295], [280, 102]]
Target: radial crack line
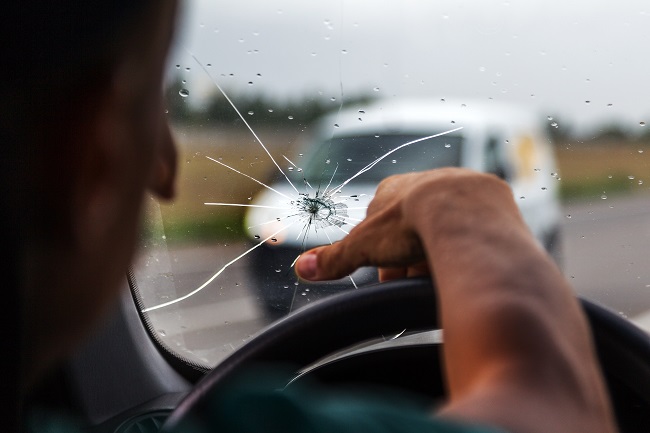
[[372, 164], [219, 272], [331, 179], [250, 177], [242, 118]]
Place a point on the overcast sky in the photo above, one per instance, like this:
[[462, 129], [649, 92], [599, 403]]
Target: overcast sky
[[553, 55]]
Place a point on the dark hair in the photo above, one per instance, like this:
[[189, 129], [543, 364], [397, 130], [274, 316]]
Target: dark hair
[[53, 53]]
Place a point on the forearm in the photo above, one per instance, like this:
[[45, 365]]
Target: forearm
[[516, 343]]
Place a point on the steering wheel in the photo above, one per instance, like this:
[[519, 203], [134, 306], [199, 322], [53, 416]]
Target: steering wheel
[[307, 335]]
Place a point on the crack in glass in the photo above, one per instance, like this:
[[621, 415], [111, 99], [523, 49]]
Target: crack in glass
[[315, 211]]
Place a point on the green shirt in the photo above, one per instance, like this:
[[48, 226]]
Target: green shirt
[[252, 405]]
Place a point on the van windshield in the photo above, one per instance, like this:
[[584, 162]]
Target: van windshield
[[344, 157]]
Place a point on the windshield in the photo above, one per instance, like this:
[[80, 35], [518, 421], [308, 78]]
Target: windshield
[[287, 115]]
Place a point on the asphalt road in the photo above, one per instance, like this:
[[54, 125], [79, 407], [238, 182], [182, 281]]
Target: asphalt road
[[606, 246]]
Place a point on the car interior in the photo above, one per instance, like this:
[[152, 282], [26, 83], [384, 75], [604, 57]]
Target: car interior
[[246, 83]]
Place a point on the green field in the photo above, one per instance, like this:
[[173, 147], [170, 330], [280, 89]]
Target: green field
[[586, 171], [589, 170]]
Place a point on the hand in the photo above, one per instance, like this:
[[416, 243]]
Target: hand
[[408, 208]]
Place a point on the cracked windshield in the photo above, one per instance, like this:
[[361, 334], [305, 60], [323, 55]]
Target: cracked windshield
[[288, 114]]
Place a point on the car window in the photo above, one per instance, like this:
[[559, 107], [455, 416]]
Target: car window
[[287, 114]]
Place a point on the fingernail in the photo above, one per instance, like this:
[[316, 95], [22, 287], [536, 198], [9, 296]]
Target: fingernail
[[307, 266]]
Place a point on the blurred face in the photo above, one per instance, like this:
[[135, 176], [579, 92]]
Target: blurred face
[[123, 148]]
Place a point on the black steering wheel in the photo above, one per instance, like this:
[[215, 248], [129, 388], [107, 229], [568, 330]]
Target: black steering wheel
[[340, 321]]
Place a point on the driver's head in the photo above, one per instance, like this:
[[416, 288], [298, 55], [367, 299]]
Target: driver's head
[[84, 136]]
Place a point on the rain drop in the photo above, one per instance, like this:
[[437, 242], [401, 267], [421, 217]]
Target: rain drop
[[394, 161], [604, 197], [568, 216], [630, 177], [250, 113], [274, 240], [447, 145], [375, 89], [641, 123], [184, 93], [257, 236], [290, 117]]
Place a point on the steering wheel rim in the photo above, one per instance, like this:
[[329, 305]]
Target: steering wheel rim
[[306, 336]]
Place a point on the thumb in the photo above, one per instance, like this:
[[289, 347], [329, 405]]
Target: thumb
[[327, 263]]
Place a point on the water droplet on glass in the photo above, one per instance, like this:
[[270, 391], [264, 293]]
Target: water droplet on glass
[[290, 117], [250, 113], [640, 182], [587, 102], [609, 105], [522, 198], [609, 176], [447, 145], [394, 161], [290, 168], [349, 159], [278, 270], [162, 333], [274, 240], [184, 93], [630, 177], [604, 197], [257, 236], [641, 123], [537, 169], [184, 82], [250, 83], [375, 89], [178, 66], [344, 51], [544, 188], [640, 150]]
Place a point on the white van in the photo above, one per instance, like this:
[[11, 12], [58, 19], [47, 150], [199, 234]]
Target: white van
[[337, 169]]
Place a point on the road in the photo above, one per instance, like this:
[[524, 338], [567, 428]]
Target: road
[[606, 246]]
